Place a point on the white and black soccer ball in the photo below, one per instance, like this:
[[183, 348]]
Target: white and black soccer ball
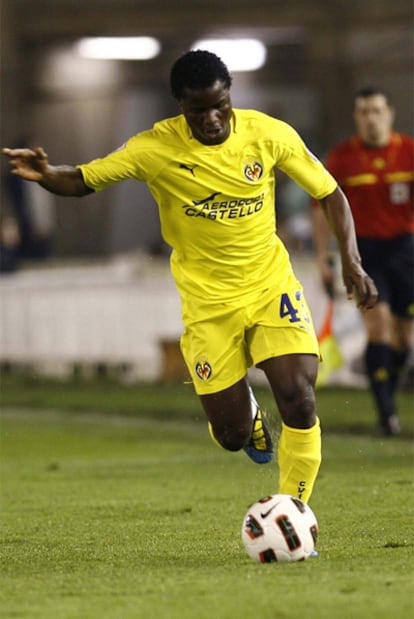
[[279, 528]]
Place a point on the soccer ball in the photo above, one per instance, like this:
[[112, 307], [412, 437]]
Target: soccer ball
[[279, 528]]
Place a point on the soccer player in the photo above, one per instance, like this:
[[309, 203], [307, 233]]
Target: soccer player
[[375, 169], [211, 171]]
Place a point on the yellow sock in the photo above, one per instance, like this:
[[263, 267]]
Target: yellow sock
[[299, 457]]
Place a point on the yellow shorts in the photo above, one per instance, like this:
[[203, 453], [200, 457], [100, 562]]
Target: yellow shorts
[[222, 341]]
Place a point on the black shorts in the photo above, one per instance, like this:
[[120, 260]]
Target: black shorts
[[390, 263]]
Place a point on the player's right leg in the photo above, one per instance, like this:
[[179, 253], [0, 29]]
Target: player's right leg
[[214, 348], [236, 422]]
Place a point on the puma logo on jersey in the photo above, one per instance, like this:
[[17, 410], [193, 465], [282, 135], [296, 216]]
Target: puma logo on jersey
[[190, 168]]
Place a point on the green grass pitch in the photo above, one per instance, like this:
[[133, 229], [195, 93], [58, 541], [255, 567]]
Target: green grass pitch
[[115, 504]]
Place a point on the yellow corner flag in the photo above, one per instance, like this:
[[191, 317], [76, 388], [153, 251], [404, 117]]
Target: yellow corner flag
[[331, 357]]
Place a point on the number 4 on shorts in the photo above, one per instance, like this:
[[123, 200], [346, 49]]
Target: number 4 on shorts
[[287, 309]]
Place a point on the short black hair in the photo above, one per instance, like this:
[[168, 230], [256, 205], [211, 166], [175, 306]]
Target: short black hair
[[371, 91], [197, 69]]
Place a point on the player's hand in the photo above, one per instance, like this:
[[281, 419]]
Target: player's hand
[[361, 288], [30, 164]]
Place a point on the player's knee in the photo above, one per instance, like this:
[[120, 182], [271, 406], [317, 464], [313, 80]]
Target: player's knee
[[232, 439], [298, 407]]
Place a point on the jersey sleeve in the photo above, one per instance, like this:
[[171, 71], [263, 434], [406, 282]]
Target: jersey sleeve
[[131, 160], [302, 166]]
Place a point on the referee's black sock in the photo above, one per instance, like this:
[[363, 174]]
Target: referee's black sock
[[399, 358], [379, 366]]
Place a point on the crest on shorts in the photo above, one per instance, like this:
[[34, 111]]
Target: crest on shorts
[[203, 369], [253, 171]]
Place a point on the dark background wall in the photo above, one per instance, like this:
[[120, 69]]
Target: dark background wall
[[319, 52]]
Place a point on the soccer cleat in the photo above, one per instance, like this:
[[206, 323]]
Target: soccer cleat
[[391, 426], [260, 447]]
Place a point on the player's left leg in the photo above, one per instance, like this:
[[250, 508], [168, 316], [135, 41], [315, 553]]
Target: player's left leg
[[292, 379]]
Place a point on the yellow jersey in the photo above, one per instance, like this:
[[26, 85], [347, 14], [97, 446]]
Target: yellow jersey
[[217, 203]]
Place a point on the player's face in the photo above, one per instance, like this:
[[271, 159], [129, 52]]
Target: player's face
[[373, 119], [207, 112]]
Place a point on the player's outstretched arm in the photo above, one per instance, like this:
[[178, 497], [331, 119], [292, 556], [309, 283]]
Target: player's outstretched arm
[[33, 165], [357, 282]]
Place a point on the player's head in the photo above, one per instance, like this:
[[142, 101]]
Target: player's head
[[373, 116], [196, 70], [200, 81]]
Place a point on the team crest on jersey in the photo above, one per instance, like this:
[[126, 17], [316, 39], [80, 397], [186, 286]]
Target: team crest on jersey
[[253, 171], [203, 369], [379, 163]]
